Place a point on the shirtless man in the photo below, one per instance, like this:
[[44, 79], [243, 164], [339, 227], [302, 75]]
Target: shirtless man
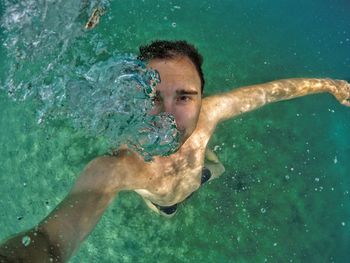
[[165, 181]]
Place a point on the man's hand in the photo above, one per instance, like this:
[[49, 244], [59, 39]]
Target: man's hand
[[341, 90]]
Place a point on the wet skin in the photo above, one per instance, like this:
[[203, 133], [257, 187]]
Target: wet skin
[[165, 180], [178, 93], [171, 179]]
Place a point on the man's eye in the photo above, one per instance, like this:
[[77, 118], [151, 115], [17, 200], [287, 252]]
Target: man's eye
[[184, 98]]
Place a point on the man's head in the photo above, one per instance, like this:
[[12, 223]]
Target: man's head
[[180, 91]]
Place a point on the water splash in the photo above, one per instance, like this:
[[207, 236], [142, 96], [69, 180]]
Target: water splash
[[51, 58]]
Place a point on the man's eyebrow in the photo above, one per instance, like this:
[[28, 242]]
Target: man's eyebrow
[[186, 92], [181, 92]]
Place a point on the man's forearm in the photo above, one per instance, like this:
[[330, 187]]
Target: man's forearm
[[259, 95], [292, 88], [73, 220], [60, 234], [57, 237], [241, 100], [30, 246]]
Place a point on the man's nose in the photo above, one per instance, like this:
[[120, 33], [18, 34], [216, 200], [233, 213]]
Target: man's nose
[[168, 107]]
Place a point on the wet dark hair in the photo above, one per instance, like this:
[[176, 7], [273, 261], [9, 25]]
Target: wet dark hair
[[164, 49]]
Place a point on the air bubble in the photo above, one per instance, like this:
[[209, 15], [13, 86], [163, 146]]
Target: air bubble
[[71, 75], [26, 241]]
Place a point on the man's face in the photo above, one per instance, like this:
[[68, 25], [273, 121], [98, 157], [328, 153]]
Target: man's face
[[178, 93]]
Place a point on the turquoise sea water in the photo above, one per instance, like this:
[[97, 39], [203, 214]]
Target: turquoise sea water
[[285, 194]]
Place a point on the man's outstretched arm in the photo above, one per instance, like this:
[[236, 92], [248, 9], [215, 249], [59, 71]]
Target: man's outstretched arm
[[227, 105], [61, 233]]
